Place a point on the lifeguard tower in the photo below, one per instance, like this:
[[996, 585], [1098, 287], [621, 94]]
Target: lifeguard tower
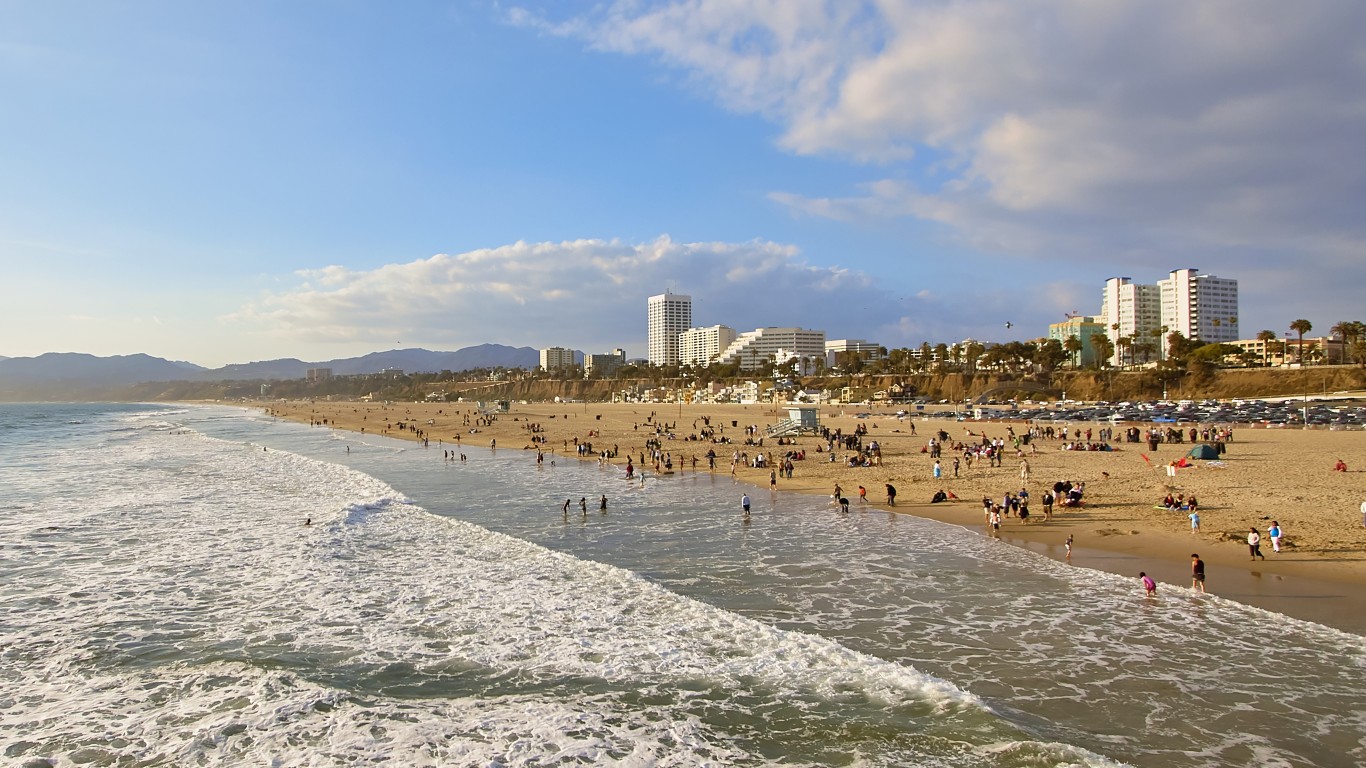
[[801, 419]]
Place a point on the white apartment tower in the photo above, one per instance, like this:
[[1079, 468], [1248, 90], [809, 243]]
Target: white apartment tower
[[1199, 306], [668, 315], [1135, 308], [699, 346]]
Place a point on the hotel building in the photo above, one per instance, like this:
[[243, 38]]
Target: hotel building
[[753, 349]]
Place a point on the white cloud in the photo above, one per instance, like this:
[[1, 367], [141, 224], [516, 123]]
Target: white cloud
[[588, 294], [1065, 128]]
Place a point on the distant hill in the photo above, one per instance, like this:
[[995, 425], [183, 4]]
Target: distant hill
[[64, 375], [74, 367], [406, 360]]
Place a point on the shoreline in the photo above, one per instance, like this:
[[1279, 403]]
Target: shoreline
[[1320, 587]]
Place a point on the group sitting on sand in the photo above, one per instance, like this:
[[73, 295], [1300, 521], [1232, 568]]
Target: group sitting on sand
[[1180, 502]]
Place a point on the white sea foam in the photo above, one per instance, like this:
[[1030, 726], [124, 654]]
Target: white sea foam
[[181, 613], [175, 573]]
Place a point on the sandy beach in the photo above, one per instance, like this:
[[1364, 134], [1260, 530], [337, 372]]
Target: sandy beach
[[1284, 475]]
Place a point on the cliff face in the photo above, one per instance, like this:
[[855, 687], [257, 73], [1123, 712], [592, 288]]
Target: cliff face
[[953, 387]]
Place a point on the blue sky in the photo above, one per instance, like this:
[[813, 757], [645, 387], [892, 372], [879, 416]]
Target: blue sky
[[232, 181]]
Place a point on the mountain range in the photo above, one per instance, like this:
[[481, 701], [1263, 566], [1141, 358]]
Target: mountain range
[[69, 370]]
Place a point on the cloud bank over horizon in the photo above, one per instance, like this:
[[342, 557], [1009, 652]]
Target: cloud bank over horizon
[[586, 294]]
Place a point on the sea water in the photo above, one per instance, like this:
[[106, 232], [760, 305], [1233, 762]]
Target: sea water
[[162, 603]]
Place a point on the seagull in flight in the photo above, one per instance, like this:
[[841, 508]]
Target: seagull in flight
[[1009, 325]]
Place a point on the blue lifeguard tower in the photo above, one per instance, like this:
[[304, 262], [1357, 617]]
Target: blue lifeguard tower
[[801, 419]]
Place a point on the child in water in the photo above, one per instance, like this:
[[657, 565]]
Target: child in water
[[1149, 586]]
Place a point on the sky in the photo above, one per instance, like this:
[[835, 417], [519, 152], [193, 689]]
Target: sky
[[229, 181]]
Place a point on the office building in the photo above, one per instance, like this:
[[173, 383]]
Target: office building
[[603, 366]]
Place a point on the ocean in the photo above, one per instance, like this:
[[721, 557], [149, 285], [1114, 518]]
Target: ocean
[[163, 603]]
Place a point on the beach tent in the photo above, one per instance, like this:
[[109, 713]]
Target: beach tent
[[1204, 452]]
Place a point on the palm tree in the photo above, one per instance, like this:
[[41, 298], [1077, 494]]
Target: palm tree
[[1073, 346], [1266, 337], [1301, 327], [1104, 349], [1158, 335], [1347, 330]]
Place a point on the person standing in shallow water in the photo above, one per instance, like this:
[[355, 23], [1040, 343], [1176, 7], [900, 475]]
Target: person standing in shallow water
[[891, 495], [1197, 572], [1149, 586]]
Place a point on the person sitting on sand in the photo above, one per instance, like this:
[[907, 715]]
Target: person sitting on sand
[[1341, 466], [1169, 502], [939, 496]]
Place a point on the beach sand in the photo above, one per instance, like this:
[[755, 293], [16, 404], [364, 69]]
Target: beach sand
[[1281, 474]]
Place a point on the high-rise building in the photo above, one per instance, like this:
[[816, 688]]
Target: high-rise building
[[555, 358], [668, 315], [1132, 310], [1198, 306], [699, 346]]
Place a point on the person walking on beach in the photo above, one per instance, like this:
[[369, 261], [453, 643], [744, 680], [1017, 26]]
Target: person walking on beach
[[1149, 586], [744, 504], [773, 479], [1195, 521], [1197, 573], [1024, 470], [863, 494], [1274, 533], [1363, 514], [1254, 544], [1068, 546], [891, 495]]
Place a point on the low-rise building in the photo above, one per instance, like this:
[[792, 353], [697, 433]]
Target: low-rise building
[[1084, 328], [865, 350]]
